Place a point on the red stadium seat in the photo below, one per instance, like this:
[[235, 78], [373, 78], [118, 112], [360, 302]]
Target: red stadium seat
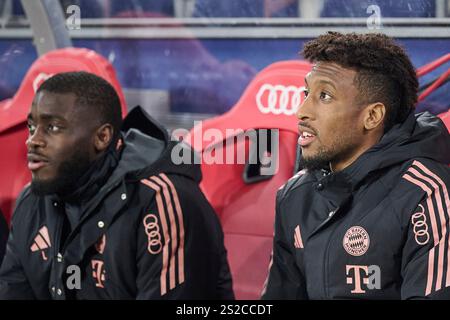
[[13, 114], [246, 210], [445, 116]]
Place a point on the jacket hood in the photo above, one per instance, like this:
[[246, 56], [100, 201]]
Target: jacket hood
[[422, 135], [147, 149]]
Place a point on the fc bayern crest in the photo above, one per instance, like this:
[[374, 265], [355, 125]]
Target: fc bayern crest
[[356, 241]]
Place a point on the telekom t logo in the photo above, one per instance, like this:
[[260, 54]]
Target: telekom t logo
[[371, 277]]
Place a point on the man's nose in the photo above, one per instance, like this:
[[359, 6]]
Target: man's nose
[[35, 140], [305, 110]]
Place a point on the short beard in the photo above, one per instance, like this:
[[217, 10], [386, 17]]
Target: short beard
[[317, 162], [342, 149], [68, 174]]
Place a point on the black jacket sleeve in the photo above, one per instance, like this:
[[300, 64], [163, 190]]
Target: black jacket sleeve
[[180, 251], [425, 267], [3, 235], [224, 287], [13, 282], [285, 279]]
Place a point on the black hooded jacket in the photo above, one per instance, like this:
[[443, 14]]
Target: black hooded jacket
[[3, 235], [379, 229], [145, 232]]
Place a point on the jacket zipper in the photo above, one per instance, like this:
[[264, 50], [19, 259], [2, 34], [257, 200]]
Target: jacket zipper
[[57, 249], [86, 214], [327, 255], [325, 265]]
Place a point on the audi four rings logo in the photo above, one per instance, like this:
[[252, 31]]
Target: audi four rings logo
[[279, 99], [154, 236], [420, 227]]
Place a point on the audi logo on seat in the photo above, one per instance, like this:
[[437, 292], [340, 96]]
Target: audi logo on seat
[[279, 99]]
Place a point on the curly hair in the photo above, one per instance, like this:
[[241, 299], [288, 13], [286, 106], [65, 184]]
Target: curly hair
[[91, 91], [384, 72]]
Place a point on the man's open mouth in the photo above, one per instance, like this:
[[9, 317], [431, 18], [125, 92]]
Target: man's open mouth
[[305, 138], [36, 162]]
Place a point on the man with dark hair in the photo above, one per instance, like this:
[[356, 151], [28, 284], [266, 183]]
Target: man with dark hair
[[97, 108], [368, 217], [108, 215]]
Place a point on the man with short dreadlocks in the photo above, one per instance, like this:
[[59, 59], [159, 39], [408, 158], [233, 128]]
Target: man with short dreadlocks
[[368, 216]]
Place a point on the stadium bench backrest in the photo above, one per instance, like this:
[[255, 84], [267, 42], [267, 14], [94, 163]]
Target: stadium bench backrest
[[246, 210]]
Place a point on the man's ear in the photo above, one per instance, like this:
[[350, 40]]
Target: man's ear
[[103, 137], [374, 116]]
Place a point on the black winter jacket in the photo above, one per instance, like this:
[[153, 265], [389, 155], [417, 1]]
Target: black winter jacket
[[148, 233], [3, 235], [379, 229]]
